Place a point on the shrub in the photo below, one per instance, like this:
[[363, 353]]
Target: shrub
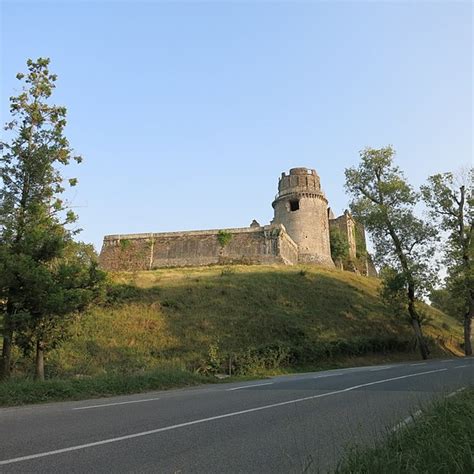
[[224, 237]]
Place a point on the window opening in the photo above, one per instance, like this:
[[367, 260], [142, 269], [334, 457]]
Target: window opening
[[294, 205]]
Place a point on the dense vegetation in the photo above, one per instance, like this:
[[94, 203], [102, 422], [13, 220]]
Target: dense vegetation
[[257, 319], [439, 441]]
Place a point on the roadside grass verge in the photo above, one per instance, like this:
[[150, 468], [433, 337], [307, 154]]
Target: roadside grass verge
[[25, 391], [441, 440]]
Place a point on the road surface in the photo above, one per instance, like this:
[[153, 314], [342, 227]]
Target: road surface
[[283, 424]]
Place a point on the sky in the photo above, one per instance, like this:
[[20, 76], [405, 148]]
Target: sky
[[186, 113]]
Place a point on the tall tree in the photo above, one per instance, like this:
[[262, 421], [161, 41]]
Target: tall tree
[[36, 281], [384, 202], [451, 203]]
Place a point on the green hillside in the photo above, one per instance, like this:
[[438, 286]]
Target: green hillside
[[253, 318]]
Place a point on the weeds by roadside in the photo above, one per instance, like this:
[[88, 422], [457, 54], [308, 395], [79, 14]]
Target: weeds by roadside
[[439, 441], [21, 392]]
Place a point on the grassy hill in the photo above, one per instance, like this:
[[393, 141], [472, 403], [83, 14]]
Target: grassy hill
[[254, 319]]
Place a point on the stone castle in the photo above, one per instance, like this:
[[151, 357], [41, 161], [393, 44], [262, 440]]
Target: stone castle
[[298, 233]]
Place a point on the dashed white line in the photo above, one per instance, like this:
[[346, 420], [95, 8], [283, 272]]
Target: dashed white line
[[205, 420], [249, 386], [381, 368], [460, 366], [116, 403], [407, 421], [419, 363], [325, 375], [459, 390]]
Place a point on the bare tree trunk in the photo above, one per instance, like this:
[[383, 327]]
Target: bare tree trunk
[[420, 339], [465, 238], [469, 316], [39, 367], [468, 333], [5, 360], [415, 322]]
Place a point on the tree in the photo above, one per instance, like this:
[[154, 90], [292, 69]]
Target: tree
[[384, 203], [68, 284], [449, 298], [339, 246], [451, 204], [38, 284], [440, 298]]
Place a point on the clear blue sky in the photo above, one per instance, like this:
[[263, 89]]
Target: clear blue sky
[[187, 112]]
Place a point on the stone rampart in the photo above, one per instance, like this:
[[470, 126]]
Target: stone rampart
[[298, 233], [249, 245]]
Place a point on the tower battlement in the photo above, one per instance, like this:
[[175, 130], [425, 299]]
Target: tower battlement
[[299, 180]]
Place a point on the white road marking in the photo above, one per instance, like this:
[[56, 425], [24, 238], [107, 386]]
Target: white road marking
[[325, 375], [460, 366], [419, 363], [248, 386], [459, 390], [205, 420], [116, 403], [381, 368], [407, 420]]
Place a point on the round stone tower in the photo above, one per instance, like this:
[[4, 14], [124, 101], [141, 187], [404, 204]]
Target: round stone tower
[[302, 208]]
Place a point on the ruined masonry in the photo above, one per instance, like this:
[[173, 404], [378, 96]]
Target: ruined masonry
[[298, 233]]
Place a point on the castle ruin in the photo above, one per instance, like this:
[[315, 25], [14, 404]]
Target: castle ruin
[[298, 233]]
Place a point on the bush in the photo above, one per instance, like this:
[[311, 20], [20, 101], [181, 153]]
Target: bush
[[224, 237]]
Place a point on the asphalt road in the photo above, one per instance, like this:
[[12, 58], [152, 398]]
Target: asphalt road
[[283, 424]]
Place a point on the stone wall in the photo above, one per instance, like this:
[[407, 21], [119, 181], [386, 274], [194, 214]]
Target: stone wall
[[359, 260], [347, 226], [252, 245]]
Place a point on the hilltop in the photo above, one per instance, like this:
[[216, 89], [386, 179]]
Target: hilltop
[[254, 318]]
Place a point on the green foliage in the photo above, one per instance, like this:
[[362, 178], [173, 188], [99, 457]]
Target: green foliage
[[125, 244], [45, 275], [117, 294], [224, 237], [451, 203], [393, 291], [361, 250], [339, 244], [439, 441], [20, 392], [384, 202], [213, 361], [55, 292], [261, 360], [443, 300]]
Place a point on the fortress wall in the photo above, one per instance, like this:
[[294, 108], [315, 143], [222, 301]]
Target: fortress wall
[[126, 252], [269, 244], [288, 249], [346, 225]]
